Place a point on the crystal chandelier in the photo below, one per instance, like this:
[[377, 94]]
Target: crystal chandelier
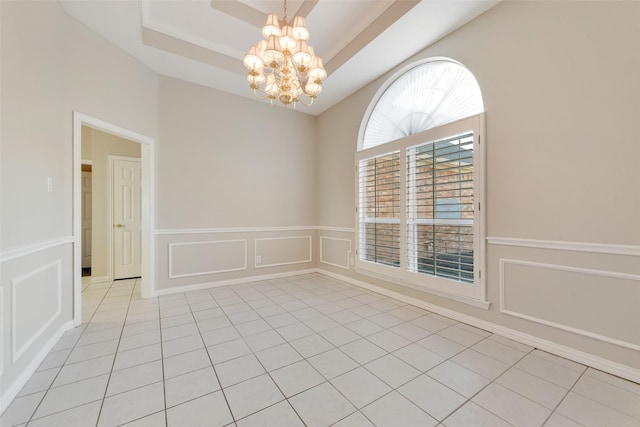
[[283, 67]]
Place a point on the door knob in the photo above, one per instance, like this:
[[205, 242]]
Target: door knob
[[118, 225]]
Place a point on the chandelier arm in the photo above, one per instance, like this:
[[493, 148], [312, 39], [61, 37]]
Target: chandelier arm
[[311, 98], [257, 93]]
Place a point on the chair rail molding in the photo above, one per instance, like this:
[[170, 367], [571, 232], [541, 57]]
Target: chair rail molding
[[600, 248], [25, 250]]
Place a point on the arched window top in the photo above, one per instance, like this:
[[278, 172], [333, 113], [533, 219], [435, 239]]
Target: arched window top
[[427, 95]]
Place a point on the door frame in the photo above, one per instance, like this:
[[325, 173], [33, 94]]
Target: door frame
[[111, 266], [147, 145]]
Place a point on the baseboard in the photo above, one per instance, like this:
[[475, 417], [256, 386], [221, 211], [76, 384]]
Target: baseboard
[[99, 279], [570, 353], [13, 390], [207, 285]]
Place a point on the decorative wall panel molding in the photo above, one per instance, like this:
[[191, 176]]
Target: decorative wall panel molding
[[189, 259], [595, 303], [279, 251], [12, 390], [36, 301], [335, 251]]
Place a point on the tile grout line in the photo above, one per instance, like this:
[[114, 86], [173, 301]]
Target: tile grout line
[[308, 293], [115, 355], [164, 388], [65, 364], [563, 399], [492, 381], [258, 359], [210, 361]]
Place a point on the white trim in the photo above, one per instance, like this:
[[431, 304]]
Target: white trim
[[17, 385], [239, 280], [336, 229], [99, 279], [402, 274], [17, 352], [600, 248], [203, 273], [170, 231], [87, 162], [591, 360], [255, 251], [232, 230], [483, 304], [599, 337], [32, 249], [148, 205], [346, 267]]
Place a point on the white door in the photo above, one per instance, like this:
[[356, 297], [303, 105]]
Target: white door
[[86, 219], [126, 218]]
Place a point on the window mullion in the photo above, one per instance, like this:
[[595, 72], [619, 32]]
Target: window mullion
[[403, 209]]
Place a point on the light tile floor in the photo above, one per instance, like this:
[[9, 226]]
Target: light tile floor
[[302, 351]]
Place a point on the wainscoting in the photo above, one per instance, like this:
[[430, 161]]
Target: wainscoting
[[336, 252], [189, 259], [584, 288], [573, 299], [36, 296]]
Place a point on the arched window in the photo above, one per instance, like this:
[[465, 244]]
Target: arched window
[[429, 94], [420, 178]]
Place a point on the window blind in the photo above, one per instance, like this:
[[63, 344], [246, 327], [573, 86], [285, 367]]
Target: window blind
[[379, 209], [440, 208]]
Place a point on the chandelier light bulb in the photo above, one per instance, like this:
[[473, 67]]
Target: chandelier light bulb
[[283, 67]]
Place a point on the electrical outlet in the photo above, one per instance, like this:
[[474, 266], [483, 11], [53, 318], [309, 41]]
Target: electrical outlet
[[49, 183], [258, 259]]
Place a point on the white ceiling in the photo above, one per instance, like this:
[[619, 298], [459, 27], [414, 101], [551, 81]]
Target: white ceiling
[[204, 41]]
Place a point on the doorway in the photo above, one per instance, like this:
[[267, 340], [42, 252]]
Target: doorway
[[147, 204], [86, 208]]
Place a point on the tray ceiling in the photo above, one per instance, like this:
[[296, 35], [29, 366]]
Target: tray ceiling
[[204, 41]]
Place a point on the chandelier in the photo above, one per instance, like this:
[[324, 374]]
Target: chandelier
[[283, 67]]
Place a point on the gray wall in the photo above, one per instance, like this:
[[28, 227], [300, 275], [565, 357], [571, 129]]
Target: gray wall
[[560, 86], [51, 66], [246, 171], [559, 80]]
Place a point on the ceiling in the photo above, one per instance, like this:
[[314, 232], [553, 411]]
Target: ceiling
[[204, 41]]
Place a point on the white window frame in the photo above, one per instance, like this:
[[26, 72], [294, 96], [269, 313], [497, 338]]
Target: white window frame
[[474, 294]]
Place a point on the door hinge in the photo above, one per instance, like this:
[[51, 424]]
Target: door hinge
[[478, 205], [479, 274]]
